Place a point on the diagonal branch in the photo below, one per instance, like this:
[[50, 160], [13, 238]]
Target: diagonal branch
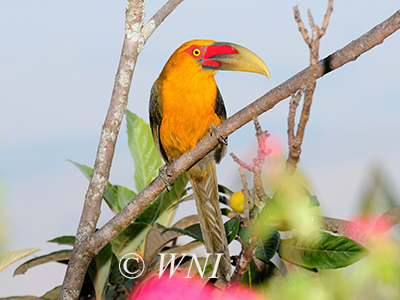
[[134, 41], [266, 102]]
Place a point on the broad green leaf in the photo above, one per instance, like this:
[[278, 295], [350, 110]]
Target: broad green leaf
[[321, 250], [193, 231], [99, 271], [60, 256], [145, 156], [169, 199], [232, 229], [150, 213], [124, 196], [8, 258], [268, 243], [244, 234], [252, 276], [129, 239], [116, 196], [64, 240]]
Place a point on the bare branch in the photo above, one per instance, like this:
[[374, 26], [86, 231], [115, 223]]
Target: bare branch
[[300, 24], [295, 141], [158, 18], [345, 228], [83, 251], [326, 18], [241, 163], [294, 103]]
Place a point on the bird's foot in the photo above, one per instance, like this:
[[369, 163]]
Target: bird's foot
[[164, 175], [214, 131]]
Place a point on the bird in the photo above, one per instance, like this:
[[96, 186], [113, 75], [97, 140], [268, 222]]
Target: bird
[[186, 105]]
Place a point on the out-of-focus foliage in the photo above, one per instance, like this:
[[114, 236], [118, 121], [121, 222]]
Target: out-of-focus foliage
[[296, 256]]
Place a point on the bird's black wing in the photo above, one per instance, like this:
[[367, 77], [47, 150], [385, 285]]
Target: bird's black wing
[[220, 110], [155, 112]]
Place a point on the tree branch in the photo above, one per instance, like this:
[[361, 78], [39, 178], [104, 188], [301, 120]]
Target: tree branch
[[295, 141], [134, 41], [87, 246], [266, 102]]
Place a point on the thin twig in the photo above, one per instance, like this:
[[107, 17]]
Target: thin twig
[[266, 102], [294, 103], [258, 162], [246, 254], [241, 163], [242, 263], [295, 141], [245, 192]]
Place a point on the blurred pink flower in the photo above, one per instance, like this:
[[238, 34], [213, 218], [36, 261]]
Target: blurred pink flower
[[179, 288], [370, 225]]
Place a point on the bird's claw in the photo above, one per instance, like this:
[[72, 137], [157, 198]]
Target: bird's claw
[[163, 174], [214, 130]]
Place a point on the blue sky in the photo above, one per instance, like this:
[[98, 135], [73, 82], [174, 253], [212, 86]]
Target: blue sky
[[57, 68]]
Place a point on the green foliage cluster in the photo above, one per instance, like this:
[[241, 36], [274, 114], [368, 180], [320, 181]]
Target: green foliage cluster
[[295, 256]]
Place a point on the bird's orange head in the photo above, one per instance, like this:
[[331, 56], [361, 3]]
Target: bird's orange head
[[211, 56]]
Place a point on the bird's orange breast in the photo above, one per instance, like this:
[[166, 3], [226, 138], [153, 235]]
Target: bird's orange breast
[[188, 104]]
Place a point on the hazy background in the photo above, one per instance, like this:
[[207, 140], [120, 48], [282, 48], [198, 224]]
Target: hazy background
[[58, 60]]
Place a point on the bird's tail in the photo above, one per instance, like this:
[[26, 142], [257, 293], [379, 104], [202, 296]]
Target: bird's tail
[[203, 178]]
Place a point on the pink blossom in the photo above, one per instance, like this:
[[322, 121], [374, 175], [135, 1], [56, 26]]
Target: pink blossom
[[180, 288]]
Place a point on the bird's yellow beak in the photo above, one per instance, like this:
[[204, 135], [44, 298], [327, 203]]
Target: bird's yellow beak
[[229, 56]]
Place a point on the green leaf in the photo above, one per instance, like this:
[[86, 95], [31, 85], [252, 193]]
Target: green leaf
[[129, 239], [321, 250], [116, 196], [232, 229], [145, 156], [225, 211], [116, 276], [268, 243], [252, 275], [150, 213], [162, 209], [62, 255], [244, 234], [123, 196], [8, 258], [193, 231], [99, 271], [64, 240], [169, 199], [313, 201]]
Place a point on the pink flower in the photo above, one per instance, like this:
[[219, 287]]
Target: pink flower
[[180, 288]]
